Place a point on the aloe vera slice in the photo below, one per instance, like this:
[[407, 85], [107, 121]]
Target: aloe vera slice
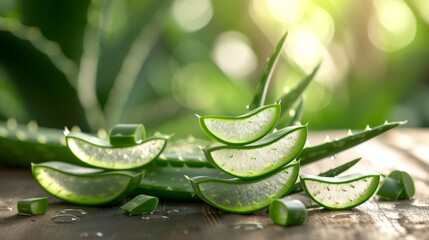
[[240, 196], [244, 129], [287, 212], [337, 193], [330, 173], [99, 153], [82, 185], [140, 204], [262, 157], [32, 206], [127, 134]]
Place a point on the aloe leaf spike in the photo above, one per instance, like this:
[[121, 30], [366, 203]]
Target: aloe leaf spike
[[264, 82]]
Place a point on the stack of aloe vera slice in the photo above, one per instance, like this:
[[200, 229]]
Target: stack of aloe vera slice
[[110, 172], [261, 162]]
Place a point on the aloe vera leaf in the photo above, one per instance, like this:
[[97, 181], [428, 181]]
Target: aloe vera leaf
[[41, 144], [241, 130], [82, 185], [259, 158], [245, 196], [22, 144], [100, 153], [264, 82], [338, 193], [314, 153], [287, 100], [169, 182], [330, 173]]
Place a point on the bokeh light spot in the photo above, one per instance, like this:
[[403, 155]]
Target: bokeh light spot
[[393, 26], [192, 15], [233, 55]]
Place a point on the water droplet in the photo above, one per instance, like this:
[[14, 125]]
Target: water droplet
[[247, 226], [155, 217], [367, 128], [91, 234], [343, 215], [72, 211], [65, 218], [5, 209], [12, 123], [420, 204], [333, 157], [327, 138], [173, 212]]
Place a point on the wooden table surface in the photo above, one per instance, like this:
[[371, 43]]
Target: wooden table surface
[[404, 149]]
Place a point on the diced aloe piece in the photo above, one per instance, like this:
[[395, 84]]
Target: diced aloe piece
[[127, 134], [337, 193], [262, 157], [287, 212], [140, 204], [85, 186], [244, 129], [398, 185], [240, 196], [99, 153], [33, 206]]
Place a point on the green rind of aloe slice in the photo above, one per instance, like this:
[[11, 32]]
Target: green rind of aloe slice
[[100, 153], [84, 186], [241, 130], [240, 196], [262, 157], [338, 193]]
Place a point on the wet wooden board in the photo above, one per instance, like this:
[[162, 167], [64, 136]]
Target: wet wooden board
[[405, 149]]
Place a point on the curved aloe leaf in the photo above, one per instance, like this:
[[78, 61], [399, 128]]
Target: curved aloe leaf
[[240, 196], [85, 186], [100, 153], [259, 158], [242, 129], [337, 193]]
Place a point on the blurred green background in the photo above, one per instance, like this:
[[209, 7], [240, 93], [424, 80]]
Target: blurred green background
[[96, 63]]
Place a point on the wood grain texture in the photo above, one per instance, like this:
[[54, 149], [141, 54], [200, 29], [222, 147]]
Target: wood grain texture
[[405, 149]]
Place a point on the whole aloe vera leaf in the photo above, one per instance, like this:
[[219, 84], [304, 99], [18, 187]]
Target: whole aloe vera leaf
[[21, 144], [330, 173], [264, 82], [287, 100], [314, 153], [295, 114], [169, 182]]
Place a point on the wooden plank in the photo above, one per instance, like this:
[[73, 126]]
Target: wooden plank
[[195, 220]]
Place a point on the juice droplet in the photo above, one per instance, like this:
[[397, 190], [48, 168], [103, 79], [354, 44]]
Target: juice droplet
[[71, 211], [420, 204], [65, 218], [343, 215], [155, 217], [91, 234], [173, 212], [5, 209], [247, 226]]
